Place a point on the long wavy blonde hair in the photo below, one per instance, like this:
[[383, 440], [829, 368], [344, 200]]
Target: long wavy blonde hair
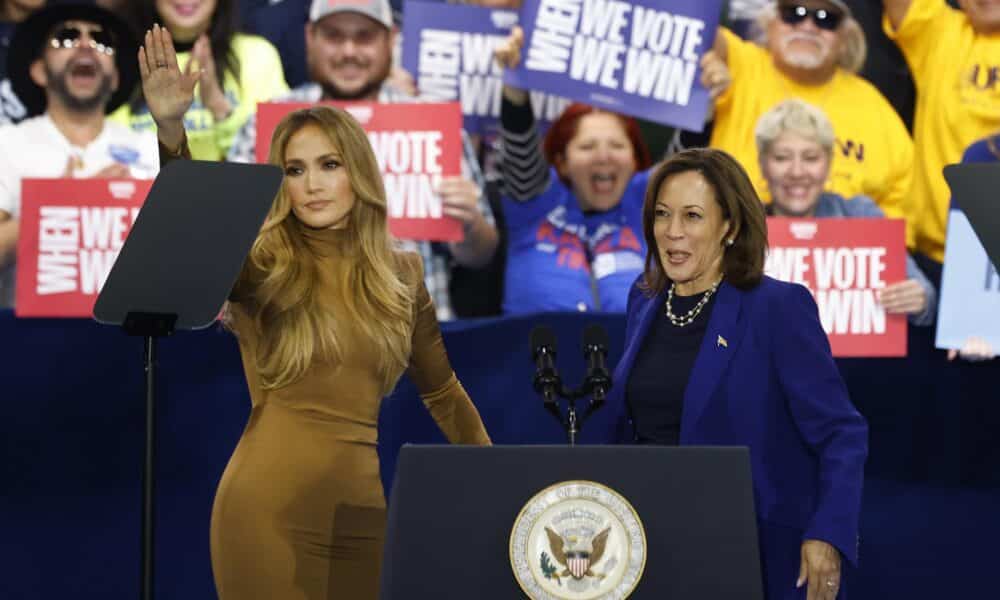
[[294, 323]]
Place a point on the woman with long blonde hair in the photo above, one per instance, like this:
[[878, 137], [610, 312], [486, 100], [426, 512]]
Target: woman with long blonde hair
[[328, 316]]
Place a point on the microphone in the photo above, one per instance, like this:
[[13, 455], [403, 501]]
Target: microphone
[[595, 351], [543, 351]]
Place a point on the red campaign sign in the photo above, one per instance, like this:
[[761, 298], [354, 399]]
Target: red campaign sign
[[71, 232], [416, 144], [844, 262]]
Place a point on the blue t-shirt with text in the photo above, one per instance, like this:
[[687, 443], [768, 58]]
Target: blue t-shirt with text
[[560, 258]]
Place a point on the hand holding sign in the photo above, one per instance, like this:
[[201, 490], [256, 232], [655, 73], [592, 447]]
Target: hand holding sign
[[715, 75], [904, 298], [508, 56], [460, 200], [168, 92], [508, 53], [975, 349], [636, 57]]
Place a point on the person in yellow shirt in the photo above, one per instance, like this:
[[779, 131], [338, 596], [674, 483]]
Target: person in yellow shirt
[[954, 56], [237, 71], [811, 50]]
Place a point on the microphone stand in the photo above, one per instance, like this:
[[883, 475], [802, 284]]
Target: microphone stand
[[573, 423], [548, 383]]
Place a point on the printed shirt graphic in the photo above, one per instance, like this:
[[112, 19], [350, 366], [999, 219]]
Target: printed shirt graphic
[[562, 259], [957, 74], [873, 152]]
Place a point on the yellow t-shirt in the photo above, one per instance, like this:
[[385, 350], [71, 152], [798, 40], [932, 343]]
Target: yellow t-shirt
[[873, 152], [957, 75], [261, 78]]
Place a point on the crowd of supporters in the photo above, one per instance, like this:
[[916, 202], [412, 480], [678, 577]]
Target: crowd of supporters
[[845, 108]]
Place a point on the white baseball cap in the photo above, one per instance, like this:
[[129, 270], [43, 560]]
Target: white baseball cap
[[377, 10]]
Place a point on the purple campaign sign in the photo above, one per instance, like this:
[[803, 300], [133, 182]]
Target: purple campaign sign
[[448, 48], [638, 57]]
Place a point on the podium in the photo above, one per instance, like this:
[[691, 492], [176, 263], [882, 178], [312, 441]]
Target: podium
[[453, 510]]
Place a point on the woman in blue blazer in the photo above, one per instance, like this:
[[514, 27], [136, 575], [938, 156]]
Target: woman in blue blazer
[[718, 354]]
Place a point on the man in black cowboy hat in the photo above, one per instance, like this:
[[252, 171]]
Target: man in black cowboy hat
[[70, 64]]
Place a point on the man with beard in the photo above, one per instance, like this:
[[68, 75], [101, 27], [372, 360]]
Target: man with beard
[[349, 52], [954, 56], [70, 64], [812, 50]]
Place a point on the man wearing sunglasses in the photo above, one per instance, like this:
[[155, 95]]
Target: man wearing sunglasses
[[812, 50], [954, 57], [70, 64]]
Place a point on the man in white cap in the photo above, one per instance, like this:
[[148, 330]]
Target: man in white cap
[[349, 47], [812, 50]]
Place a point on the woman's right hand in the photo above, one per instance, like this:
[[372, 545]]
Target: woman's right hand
[[508, 52], [168, 91], [508, 56]]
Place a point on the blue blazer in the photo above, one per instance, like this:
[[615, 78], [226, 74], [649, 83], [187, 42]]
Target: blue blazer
[[764, 378]]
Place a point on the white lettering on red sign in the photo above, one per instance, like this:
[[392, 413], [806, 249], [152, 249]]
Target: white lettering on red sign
[[844, 282], [78, 245], [411, 166]]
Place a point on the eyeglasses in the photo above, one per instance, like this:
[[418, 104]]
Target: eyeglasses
[[71, 36], [793, 14]]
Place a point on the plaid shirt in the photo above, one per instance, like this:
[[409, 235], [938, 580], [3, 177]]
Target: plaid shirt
[[437, 258]]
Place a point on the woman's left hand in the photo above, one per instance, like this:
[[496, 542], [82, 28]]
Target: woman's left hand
[[904, 298], [821, 569], [460, 199], [212, 96]]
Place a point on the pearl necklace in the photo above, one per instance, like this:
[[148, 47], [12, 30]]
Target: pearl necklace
[[687, 319]]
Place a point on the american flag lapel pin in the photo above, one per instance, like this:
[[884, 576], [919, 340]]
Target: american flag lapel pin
[[721, 342]]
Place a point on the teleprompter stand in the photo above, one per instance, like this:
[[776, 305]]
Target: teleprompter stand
[[974, 188], [175, 271]]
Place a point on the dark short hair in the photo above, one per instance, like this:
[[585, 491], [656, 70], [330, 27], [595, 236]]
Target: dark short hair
[[743, 262], [565, 127]]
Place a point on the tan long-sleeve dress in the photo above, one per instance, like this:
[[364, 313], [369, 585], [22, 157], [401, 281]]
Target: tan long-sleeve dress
[[300, 512]]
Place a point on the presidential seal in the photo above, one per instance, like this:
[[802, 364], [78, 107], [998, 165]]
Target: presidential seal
[[578, 540]]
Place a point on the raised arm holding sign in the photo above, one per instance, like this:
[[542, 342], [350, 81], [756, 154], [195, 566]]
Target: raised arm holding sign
[[573, 216]]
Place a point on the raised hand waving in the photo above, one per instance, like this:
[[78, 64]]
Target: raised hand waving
[[168, 91]]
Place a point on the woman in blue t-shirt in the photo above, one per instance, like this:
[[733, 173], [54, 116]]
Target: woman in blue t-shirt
[[573, 216]]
